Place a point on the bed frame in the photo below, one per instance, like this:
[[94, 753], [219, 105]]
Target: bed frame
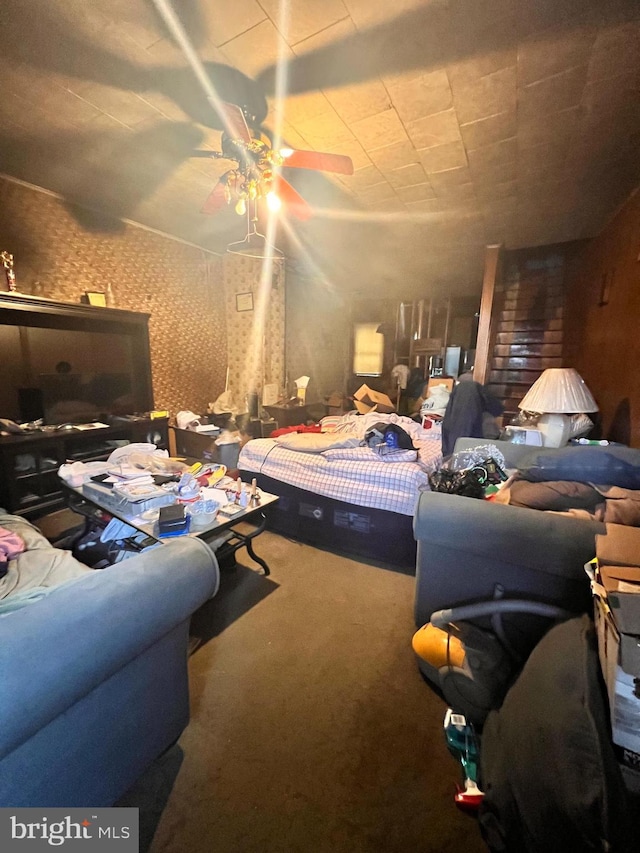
[[338, 526]]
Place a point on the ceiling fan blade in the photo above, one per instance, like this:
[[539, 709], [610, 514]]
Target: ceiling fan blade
[[321, 162], [235, 123], [216, 199], [296, 205]]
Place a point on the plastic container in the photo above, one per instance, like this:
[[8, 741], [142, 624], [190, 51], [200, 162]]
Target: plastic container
[[202, 513]]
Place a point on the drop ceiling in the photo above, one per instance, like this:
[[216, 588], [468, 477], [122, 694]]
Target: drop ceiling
[[468, 122]]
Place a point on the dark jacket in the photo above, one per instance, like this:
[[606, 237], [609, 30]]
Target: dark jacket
[[463, 416]]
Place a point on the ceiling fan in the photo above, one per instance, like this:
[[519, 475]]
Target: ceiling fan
[[256, 174]]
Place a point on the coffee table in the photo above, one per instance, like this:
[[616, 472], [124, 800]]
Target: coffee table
[[221, 534]]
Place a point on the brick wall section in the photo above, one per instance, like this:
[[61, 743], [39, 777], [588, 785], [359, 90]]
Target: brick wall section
[[528, 311], [180, 286]]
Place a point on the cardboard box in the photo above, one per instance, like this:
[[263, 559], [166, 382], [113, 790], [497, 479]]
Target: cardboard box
[[620, 546], [620, 662], [622, 585], [366, 400]]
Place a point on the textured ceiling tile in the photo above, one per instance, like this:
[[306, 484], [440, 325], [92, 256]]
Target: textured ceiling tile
[[367, 13], [365, 178], [455, 192], [394, 156], [552, 94], [414, 97], [64, 104], [539, 155], [32, 118], [389, 210], [542, 163], [379, 192], [494, 173], [17, 78], [496, 155], [473, 65], [606, 95], [497, 191], [302, 108], [256, 48], [340, 31], [359, 101], [123, 106], [406, 176], [428, 205], [382, 129], [433, 130], [418, 192], [325, 130], [167, 106], [304, 18], [449, 179], [164, 52], [615, 51], [488, 130], [477, 98], [553, 53], [556, 126], [451, 156], [224, 22]]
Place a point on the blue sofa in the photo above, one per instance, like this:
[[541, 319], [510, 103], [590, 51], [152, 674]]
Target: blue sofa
[[471, 551], [94, 673]]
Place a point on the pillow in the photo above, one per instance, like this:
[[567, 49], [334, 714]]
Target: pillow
[[555, 495], [316, 442], [613, 465]]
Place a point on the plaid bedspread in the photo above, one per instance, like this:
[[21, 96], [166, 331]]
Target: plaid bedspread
[[356, 475]]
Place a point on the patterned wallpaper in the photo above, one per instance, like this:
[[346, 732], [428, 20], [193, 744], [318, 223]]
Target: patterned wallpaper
[[255, 338], [318, 334], [59, 253]]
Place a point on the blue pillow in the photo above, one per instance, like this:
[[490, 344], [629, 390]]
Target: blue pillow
[[612, 465]]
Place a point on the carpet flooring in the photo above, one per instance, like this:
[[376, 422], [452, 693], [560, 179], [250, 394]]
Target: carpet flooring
[[311, 728]]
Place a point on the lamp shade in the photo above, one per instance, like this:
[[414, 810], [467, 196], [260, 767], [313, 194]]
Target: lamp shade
[[559, 390]]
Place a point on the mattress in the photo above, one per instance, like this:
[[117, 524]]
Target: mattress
[[358, 475]]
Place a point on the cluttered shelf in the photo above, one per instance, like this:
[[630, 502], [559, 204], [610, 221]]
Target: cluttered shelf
[[29, 461]]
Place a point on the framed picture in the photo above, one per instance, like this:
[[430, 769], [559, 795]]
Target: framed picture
[[244, 301], [95, 297]]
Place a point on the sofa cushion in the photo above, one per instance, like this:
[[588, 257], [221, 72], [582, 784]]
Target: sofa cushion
[[613, 465]]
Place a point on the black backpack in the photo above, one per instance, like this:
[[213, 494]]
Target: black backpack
[[390, 435]]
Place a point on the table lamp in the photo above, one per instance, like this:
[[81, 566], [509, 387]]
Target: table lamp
[[557, 393]]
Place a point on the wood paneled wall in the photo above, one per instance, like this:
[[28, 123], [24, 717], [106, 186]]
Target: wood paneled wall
[[602, 335]]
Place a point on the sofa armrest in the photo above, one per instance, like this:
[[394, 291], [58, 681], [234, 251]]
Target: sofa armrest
[[56, 650], [461, 538]]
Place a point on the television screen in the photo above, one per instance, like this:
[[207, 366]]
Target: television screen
[[83, 397]]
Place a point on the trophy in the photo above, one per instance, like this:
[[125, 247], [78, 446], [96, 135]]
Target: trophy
[[7, 263]]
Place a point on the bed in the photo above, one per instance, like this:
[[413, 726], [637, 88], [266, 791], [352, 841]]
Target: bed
[[339, 493]]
